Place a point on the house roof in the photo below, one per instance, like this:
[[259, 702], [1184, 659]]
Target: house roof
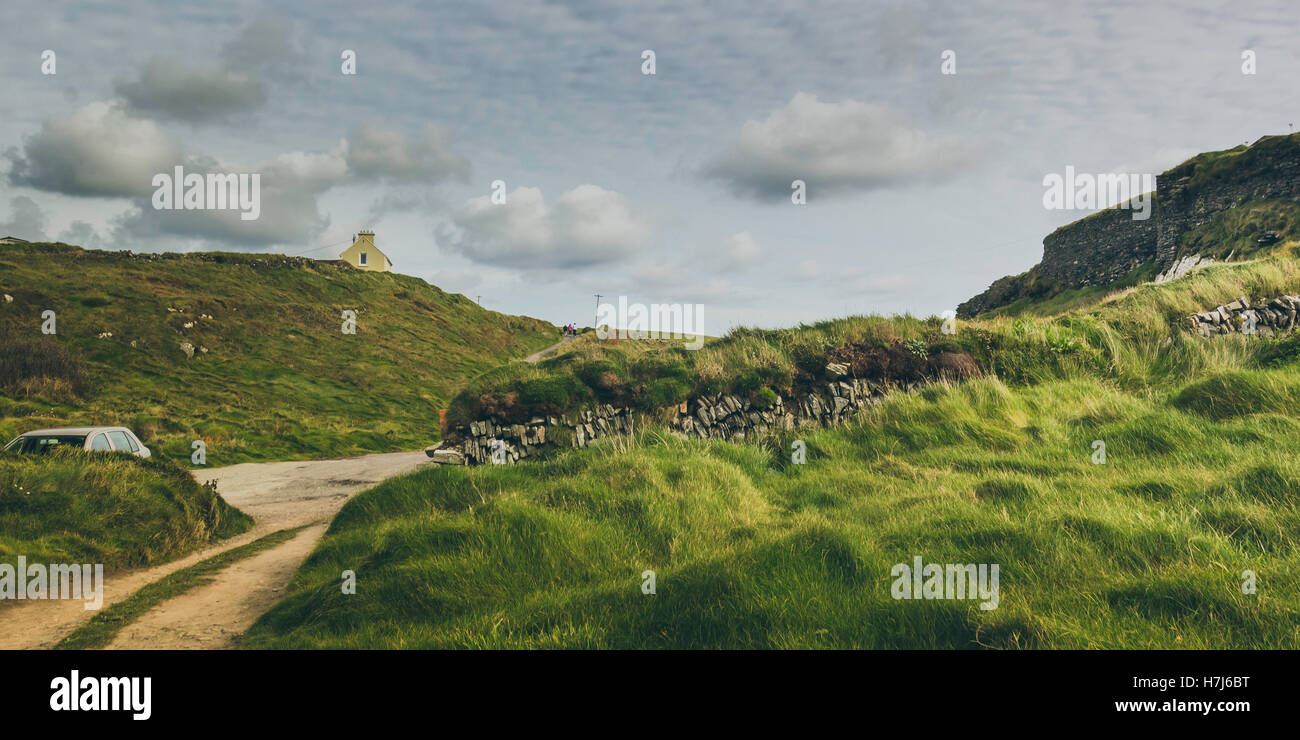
[[370, 244]]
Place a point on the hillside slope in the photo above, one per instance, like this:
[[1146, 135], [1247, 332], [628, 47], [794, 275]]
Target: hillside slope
[[272, 374], [1226, 205], [1150, 546]]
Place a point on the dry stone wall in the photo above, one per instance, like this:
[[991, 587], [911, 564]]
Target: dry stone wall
[[722, 416], [1267, 319]]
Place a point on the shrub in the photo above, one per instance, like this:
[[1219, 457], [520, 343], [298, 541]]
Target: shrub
[[558, 392], [600, 375], [747, 382], [29, 363], [664, 392]]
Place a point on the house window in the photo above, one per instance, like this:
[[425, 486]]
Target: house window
[[363, 258]]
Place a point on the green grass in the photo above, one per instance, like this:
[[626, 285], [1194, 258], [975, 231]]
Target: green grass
[[279, 380], [750, 551], [1147, 550], [1125, 332], [105, 625], [109, 508]]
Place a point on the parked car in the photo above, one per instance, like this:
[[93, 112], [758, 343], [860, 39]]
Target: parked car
[[108, 439]]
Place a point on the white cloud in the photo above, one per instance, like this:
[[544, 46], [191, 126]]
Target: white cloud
[[290, 186], [834, 148], [101, 150], [742, 251], [808, 270], [96, 150], [587, 225]]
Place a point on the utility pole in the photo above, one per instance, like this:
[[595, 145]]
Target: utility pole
[[597, 321], [479, 300]]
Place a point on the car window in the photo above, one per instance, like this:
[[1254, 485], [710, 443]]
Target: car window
[[100, 442], [120, 441], [44, 443]]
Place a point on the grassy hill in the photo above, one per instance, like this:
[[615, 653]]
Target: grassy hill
[[1149, 549], [272, 375], [115, 509]]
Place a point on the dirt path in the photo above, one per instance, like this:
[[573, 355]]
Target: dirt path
[[541, 354], [277, 495], [212, 616]]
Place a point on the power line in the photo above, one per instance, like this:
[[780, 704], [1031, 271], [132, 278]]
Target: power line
[[317, 249]]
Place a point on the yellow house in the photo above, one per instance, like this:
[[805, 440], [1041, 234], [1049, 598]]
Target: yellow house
[[364, 255]]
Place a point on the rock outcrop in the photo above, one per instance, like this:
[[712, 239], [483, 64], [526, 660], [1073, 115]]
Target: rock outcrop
[[1109, 244]]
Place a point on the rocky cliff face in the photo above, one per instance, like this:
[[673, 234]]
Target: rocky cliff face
[[1109, 244], [1099, 249], [1190, 194]]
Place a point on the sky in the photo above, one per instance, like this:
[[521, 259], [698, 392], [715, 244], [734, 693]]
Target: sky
[[922, 132]]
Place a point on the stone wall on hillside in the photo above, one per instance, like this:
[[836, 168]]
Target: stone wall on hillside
[[1267, 319], [725, 417]]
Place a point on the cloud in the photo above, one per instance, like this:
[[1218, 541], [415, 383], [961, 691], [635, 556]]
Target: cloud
[[83, 235], [456, 281], [168, 88], [586, 226], [290, 186], [834, 148], [808, 270], [742, 252], [102, 150], [96, 150], [380, 153], [27, 222], [266, 47]]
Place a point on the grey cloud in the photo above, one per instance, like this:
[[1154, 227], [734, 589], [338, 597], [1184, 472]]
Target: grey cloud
[[83, 235], [266, 47], [382, 153], [169, 88], [27, 220], [834, 148]]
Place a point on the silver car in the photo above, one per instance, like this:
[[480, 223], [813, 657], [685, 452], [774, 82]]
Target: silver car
[[108, 439]]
